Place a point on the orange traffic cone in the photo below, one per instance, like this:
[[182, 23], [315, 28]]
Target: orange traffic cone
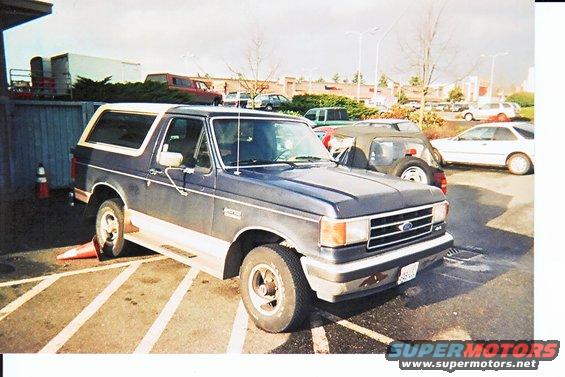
[[41, 187], [88, 250]]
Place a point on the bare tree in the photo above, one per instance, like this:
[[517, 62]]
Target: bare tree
[[254, 76], [431, 52]]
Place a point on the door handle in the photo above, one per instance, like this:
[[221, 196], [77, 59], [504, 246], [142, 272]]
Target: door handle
[[156, 172]]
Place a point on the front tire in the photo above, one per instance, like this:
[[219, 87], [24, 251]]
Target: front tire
[[519, 164], [110, 228], [273, 288], [269, 107], [468, 117]]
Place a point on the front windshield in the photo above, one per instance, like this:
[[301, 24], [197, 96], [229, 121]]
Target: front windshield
[[267, 141]]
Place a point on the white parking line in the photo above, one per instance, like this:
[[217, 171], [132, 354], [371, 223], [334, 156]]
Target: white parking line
[[319, 339], [239, 330], [154, 333], [82, 271], [6, 310], [60, 339], [361, 330]]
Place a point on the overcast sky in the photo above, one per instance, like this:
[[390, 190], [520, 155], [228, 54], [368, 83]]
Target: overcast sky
[[300, 35]]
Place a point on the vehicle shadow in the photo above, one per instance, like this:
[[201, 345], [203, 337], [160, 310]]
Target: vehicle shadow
[[30, 224], [423, 307]]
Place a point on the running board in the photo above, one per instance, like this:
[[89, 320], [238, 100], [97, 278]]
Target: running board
[[177, 252]]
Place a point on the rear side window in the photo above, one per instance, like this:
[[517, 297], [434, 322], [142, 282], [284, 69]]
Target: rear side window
[[408, 127], [504, 134], [385, 152], [121, 129], [527, 132], [337, 114]]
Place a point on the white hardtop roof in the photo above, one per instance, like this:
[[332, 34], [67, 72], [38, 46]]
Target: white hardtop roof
[[140, 107], [502, 124]]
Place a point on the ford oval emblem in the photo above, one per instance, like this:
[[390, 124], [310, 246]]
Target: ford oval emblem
[[406, 226]]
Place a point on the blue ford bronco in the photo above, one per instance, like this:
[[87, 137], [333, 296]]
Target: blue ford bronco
[[256, 195]]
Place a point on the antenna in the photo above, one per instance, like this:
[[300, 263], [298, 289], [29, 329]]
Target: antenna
[[238, 132]]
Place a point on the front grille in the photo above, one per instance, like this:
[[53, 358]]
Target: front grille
[[386, 231]]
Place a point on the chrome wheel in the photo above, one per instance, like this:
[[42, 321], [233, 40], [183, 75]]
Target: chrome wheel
[[415, 174], [109, 227], [264, 287]]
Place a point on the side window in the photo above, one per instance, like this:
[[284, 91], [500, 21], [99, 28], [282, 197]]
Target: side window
[[187, 136], [310, 115], [121, 129], [506, 105], [387, 152], [481, 133], [504, 134], [408, 127], [321, 116]]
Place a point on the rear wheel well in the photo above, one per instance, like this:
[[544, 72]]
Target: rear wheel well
[[515, 153], [244, 243], [100, 194]]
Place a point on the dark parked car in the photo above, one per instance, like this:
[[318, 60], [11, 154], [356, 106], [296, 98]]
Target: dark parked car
[[253, 194], [402, 154], [268, 102]]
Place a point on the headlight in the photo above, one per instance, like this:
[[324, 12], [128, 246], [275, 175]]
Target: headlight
[[343, 232], [439, 212]]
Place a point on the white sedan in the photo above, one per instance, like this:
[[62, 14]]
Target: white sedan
[[509, 144]]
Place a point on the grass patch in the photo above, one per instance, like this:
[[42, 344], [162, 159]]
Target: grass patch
[[527, 112]]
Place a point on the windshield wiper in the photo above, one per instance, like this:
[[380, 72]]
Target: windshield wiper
[[265, 162], [313, 158]]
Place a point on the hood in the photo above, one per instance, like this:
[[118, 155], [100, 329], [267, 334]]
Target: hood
[[332, 191]]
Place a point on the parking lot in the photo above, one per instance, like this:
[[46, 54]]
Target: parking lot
[[148, 303]]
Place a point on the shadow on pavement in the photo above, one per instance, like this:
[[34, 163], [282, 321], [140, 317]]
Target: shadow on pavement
[[399, 312]]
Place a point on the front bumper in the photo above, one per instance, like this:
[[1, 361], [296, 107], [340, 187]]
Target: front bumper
[[336, 282]]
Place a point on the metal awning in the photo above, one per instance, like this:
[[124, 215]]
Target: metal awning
[[17, 12]]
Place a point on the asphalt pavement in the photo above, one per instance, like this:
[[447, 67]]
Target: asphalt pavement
[[148, 303]]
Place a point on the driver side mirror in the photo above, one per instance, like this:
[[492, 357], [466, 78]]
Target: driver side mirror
[[170, 159]]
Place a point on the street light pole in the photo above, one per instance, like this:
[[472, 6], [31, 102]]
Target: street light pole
[[491, 83], [360, 36], [359, 66], [379, 49]]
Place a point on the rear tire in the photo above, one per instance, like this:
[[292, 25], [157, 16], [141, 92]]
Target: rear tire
[[502, 117], [110, 228], [269, 107], [273, 288], [519, 164], [468, 117], [413, 169]]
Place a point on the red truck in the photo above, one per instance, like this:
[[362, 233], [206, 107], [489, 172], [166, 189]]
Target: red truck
[[202, 94]]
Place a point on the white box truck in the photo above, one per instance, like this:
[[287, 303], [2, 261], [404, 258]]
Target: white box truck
[[91, 67]]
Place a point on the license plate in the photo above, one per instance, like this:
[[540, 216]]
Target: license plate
[[408, 272]]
